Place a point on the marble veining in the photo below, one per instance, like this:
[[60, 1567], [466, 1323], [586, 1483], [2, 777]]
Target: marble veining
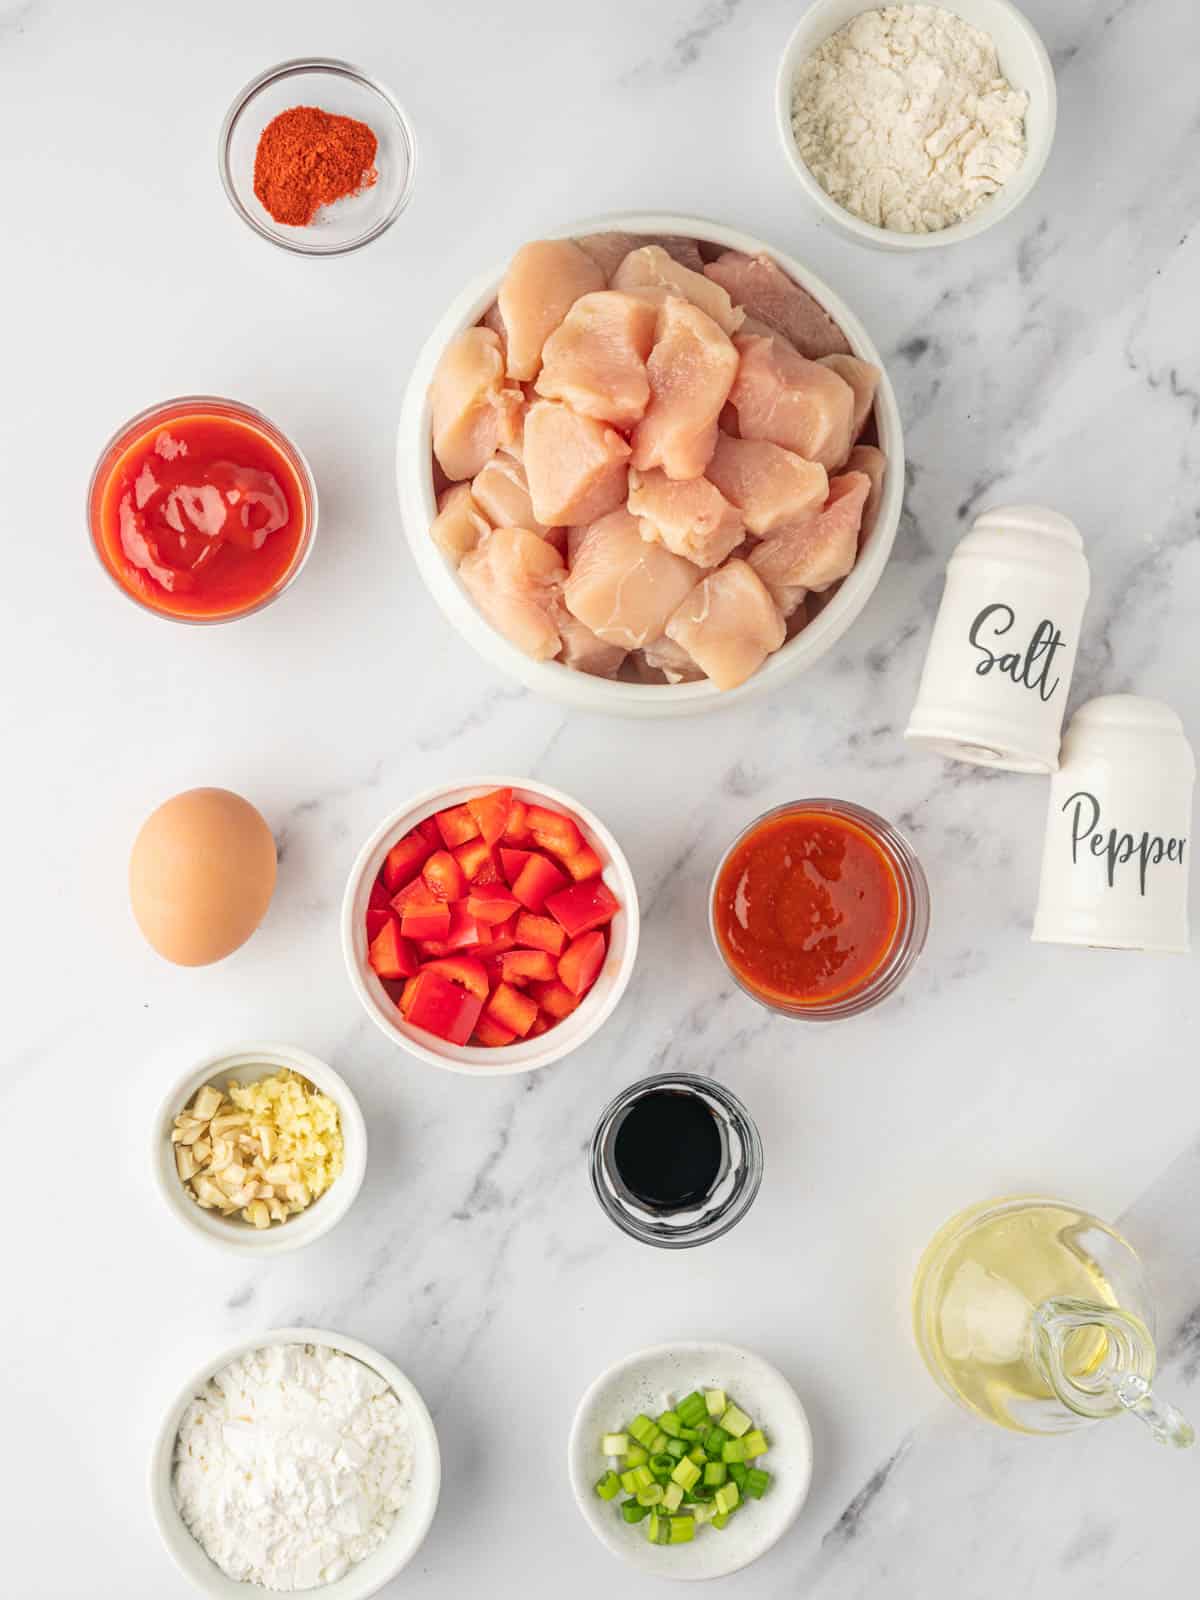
[[1053, 360]]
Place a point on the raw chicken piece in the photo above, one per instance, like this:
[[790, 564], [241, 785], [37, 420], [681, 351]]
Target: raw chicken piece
[[575, 537], [623, 588], [575, 466], [652, 268], [729, 624], [492, 319], [459, 524], [515, 577], [867, 458], [790, 598], [691, 370], [672, 660], [816, 551], [608, 250], [770, 296], [502, 493], [863, 378], [584, 650], [693, 518], [595, 360], [473, 413], [797, 403], [771, 486], [543, 282]]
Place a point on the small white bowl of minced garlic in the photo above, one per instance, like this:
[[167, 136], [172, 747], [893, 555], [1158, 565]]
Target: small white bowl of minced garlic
[[260, 1148]]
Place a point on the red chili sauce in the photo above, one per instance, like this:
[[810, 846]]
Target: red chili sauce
[[806, 908], [200, 516]]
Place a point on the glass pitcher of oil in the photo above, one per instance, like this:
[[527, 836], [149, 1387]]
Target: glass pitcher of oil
[[1035, 1315]]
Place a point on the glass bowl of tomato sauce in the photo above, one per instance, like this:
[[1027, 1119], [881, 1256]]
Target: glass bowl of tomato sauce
[[202, 510], [819, 909]]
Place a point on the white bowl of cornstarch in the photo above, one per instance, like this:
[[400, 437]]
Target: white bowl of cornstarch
[[910, 127], [298, 1462]]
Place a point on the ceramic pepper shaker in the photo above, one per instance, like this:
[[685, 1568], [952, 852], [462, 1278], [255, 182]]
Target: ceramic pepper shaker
[[999, 665], [1118, 832]]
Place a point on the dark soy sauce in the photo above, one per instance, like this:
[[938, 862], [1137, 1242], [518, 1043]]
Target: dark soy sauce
[[669, 1149]]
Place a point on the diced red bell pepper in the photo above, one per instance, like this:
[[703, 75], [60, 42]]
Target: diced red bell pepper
[[584, 864], [426, 921], [406, 996], [541, 1024], [377, 921], [405, 859], [540, 933], [444, 876], [555, 999], [491, 1033], [473, 857], [503, 936], [443, 1007], [390, 954], [553, 831], [581, 961], [584, 906], [379, 896], [511, 862], [511, 1009], [517, 831], [456, 825], [472, 974], [538, 878], [491, 903], [491, 813], [428, 829], [465, 930], [518, 965]]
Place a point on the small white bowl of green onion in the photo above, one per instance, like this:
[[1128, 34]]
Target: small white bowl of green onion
[[690, 1460]]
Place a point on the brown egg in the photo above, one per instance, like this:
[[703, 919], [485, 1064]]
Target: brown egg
[[201, 876]]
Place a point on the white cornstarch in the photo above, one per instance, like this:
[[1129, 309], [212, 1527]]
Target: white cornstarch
[[292, 1464], [904, 118]]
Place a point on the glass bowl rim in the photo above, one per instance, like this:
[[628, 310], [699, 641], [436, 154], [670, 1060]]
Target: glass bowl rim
[[164, 408], [290, 69], [910, 937]]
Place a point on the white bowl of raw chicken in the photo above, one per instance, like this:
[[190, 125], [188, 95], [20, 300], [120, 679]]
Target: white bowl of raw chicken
[[418, 501]]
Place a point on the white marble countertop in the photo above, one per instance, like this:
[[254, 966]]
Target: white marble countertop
[[1054, 359]]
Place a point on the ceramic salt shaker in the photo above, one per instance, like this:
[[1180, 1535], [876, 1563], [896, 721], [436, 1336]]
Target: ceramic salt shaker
[[1117, 851], [999, 665]]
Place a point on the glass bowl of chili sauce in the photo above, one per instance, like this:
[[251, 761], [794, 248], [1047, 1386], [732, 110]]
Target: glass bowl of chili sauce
[[201, 510], [819, 909]]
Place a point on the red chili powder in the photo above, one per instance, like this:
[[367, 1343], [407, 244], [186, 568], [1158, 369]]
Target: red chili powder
[[307, 159]]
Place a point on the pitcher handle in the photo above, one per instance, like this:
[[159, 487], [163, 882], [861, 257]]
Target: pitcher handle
[[1165, 1421]]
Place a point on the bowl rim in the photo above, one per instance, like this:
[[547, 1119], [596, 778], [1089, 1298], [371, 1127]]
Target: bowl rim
[[605, 1529], [530, 1055], [171, 1525], [810, 31], [578, 689], [290, 69], [236, 1237]]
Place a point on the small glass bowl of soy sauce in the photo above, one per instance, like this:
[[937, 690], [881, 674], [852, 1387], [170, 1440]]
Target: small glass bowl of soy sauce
[[676, 1160]]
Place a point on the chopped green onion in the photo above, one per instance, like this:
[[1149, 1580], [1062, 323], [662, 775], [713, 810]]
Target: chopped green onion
[[662, 1466], [696, 1454], [636, 1456], [672, 1497], [642, 1429], [658, 1529], [609, 1486], [714, 1439], [735, 1450], [692, 1409], [658, 1441], [614, 1444], [683, 1530], [721, 1520], [686, 1474], [755, 1443], [757, 1482], [715, 1402], [690, 1434], [633, 1512], [703, 1514], [739, 1472], [715, 1473], [735, 1421], [727, 1497], [669, 1423], [650, 1496], [676, 1449]]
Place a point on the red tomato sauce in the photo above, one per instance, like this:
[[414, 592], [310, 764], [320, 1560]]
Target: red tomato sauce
[[200, 515], [806, 908]]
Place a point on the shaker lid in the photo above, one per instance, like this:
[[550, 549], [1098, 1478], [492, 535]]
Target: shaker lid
[[1038, 520], [1124, 717]]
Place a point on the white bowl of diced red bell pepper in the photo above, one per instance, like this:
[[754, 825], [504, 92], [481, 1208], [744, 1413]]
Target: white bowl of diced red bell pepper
[[490, 927]]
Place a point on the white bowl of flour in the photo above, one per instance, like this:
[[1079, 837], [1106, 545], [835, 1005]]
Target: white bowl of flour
[[897, 126], [296, 1462]]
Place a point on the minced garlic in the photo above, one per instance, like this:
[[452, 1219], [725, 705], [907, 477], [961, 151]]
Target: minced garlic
[[265, 1149]]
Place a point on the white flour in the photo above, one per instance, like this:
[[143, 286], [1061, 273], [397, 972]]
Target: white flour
[[291, 1466], [903, 118]]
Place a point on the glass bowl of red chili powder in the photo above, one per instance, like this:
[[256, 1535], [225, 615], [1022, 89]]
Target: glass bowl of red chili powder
[[819, 909], [317, 157]]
